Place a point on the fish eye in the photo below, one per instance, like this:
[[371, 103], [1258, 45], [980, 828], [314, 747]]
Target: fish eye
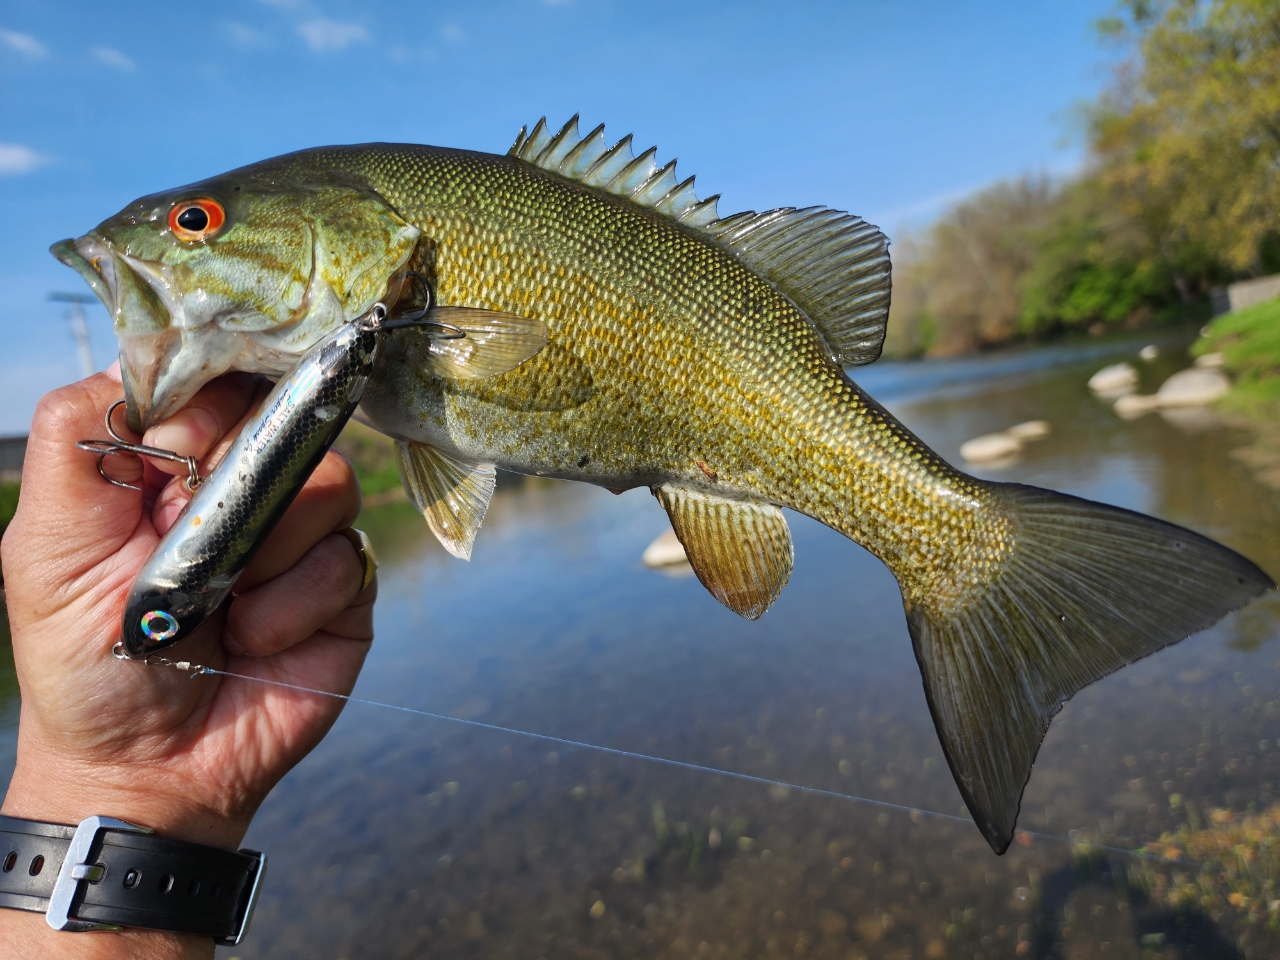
[[197, 219]]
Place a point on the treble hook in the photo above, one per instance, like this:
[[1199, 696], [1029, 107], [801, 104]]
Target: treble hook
[[118, 445], [418, 317]]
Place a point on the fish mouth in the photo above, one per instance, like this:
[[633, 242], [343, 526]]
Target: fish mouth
[[142, 316], [166, 355], [67, 252]]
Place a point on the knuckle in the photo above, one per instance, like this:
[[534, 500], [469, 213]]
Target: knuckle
[[61, 412], [334, 563]]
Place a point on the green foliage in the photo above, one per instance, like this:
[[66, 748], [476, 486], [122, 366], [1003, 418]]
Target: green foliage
[[373, 456], [1180, 194], [8, 503]]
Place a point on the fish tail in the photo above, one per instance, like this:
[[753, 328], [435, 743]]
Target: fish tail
[[1064, 592]]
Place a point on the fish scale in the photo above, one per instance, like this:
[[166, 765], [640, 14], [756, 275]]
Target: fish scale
[[619, 332]]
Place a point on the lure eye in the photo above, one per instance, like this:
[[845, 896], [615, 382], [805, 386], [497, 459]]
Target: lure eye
[[198, 219], [159, 625]]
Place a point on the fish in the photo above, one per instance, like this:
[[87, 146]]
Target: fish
[[699, 355]]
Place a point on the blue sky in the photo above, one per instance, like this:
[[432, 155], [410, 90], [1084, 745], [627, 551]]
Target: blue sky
[[892, 110]]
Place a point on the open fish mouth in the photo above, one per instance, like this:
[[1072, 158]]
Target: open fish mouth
[[167, 351]]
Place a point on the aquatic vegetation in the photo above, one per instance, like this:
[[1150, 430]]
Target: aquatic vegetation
[[1237, 858]]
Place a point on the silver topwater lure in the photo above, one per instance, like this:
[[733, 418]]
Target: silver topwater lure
[[232, 511]]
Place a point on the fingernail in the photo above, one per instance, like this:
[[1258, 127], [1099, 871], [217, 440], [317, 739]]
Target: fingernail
[[189, 432]]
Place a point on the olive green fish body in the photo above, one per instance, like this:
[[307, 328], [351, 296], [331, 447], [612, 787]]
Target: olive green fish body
[[608, 326], [632, 303]]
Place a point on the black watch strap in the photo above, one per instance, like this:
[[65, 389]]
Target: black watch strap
[[119, 875]]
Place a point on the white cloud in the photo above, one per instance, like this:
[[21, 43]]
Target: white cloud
[[16, 159], [112, 58], [453, 33], [322, 34], [245, 37], [24, 43]]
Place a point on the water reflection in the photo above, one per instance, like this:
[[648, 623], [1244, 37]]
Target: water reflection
[[402, 836]]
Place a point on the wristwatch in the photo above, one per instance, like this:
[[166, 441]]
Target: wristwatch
[[106, 874]]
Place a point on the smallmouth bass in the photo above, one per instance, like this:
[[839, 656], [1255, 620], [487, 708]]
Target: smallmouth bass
[[698, 355]]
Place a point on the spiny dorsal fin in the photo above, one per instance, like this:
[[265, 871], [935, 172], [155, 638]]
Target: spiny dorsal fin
[[613, 169], [452, 494], [833, 266], [740, 549]]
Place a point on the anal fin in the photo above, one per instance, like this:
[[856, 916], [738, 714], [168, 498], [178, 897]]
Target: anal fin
[[740, 549], [452, 494]]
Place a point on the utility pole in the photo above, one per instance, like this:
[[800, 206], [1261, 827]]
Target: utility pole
[[79, 327]]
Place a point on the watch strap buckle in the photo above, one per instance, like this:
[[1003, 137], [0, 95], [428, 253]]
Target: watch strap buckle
[[77, 867]]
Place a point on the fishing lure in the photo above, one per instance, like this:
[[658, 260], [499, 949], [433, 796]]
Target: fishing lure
[[212, 541], [234, 509]]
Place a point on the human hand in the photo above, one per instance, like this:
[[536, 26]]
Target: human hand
[[192, 758]]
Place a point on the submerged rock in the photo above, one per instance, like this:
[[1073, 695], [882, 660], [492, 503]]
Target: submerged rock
[[1030, 430], [1003, 447], [666, 553], [1193, 388], [1117, 379], [1149, 352], [1135, 405], [990, 447]]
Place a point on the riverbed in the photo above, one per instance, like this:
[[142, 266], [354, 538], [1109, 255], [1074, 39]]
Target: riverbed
[[404, 836]]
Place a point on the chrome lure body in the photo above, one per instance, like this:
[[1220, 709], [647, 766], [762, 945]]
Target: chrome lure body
[[231, 513]]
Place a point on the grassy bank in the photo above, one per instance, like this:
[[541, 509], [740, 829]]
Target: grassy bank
[[1249, 341]]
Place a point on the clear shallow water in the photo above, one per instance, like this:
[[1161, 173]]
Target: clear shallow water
[[406, 837]]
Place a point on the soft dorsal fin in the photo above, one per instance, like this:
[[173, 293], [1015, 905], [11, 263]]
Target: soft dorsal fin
[[833, 266], [452, 494], [740, 549]]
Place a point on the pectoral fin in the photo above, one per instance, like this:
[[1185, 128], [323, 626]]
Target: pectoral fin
[[494, 343], [452, 494], [740, 549]]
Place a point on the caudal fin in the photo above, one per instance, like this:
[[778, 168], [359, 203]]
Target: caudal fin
[[1084, 589]]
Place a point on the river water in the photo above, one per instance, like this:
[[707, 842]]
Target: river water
[[402, 836]]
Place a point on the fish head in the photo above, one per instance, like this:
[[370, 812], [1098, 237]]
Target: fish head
[[240, 272]]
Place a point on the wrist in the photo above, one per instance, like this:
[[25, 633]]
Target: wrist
[[60, 791]]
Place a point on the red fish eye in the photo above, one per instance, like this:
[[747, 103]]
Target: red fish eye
[[196, 219]]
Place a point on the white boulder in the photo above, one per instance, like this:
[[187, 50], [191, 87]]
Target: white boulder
[[1119, 378], [1134, 405], [1149, 352], [1030, 430], [990, 447], [1209, 361], [665, 551], [1193, 388]]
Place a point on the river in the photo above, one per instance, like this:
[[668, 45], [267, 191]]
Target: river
[[403, 836]]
